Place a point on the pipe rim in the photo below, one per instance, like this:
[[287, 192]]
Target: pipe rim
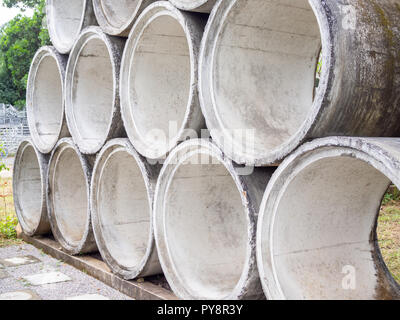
[[207, 93], [106, 23], [88, 34], [27, 143], [152, 12], [188, 6], [40, 55], [112, 147], [58, 43], [311, 152], [172, 163], [80, 246]]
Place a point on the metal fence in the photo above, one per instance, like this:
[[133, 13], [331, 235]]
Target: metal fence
[[13, 127]]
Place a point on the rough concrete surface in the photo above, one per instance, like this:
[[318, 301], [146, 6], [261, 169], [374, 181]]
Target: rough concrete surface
[[65, 21], [316, 235], [124, 182], [45, 99], [29, 188], [80, 284], [205, 223], [68, 189], [160, 58], [194, 5], [117, 18], [92, 90], [258, 66]]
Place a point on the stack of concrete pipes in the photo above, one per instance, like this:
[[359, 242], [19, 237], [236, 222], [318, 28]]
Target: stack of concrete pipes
[[280, 201]]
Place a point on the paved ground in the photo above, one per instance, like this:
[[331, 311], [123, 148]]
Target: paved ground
[[27, 273]]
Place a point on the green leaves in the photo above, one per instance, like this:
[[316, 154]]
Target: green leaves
[[7, 227], [22, 3], [20, 38]]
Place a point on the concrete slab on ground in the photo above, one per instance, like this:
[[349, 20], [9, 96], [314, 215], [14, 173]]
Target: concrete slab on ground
[[18, 261], [46, 278], [88, 297], [16, 285], [20, 295]]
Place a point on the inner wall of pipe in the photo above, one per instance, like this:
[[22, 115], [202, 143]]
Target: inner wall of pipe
[[160, 79], [118, 12], [123, 209], [67, 19], [264, 70], [29, 188], [48, 101], [326, 227], [93, 92], [206, 229], [70, 198]]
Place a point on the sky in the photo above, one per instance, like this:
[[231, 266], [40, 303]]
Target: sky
[[7, 14]]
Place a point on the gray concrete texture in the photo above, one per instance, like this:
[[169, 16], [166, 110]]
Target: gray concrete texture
[[318, 221], [17, 285], [123, 183], [204, 6], [66, 20], [257, 72], [205, 217], [45, 99], [252, 69], [29, 189], [161, 58], [117, 17], [68, 187]]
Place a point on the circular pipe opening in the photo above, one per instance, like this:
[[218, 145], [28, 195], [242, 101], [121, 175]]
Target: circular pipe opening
[[45, 103], [91, 91], [388, 230], [158, 94], [116, 17], [65, 20], [321, 243], [202, 225], [122, 210], [68, 194], [28, 190], [258, 66]]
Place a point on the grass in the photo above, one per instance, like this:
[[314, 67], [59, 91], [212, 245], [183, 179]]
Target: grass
[[389, 231], [8, 218], [388, 224]]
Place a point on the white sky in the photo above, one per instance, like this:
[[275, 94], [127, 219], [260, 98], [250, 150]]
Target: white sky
[[7, 14]]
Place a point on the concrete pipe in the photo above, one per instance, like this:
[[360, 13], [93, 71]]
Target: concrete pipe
[[122, 193], [45, 99], [92, 90], [194, 5], [117, 17], [258, 74], [316, 235], [205, 223], [159, 97], [29, 189], [65, 21], [68, 188]]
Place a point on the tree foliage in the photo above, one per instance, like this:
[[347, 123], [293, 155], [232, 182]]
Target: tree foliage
[[20, 38], [22, 4]]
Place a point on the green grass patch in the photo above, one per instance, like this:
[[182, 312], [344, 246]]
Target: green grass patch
[[8, 218], [389, 231]]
